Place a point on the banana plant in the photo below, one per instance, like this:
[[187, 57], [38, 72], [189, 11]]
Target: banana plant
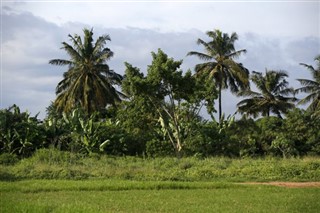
[[20, 133], [8, 139], [25, 143], [225, 123], [84, 131]]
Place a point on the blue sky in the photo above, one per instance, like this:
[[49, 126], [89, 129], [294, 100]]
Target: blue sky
[[277, 35]]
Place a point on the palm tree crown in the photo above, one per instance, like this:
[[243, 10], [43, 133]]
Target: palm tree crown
[[273, 98], [88, 82], [312, 87], [220, 66]]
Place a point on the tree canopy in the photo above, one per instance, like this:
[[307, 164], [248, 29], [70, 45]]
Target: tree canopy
[[272, 98], [88, 83], [312, 87], [221, 66]]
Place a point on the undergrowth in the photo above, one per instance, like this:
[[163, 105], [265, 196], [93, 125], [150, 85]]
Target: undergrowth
[[54, 164]]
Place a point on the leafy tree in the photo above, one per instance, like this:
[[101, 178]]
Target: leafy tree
[[221, 66], [88, 83], [285, 145], [138, 120], [244, 134], [268, 130], [272, 96], [302, 130], [168, 93], [312, 87]]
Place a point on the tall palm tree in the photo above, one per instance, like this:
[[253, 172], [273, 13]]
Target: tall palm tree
[[272, 96], [312, 87], [221, 66], [88, 83]]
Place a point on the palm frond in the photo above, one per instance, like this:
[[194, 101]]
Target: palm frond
[[309, 98], [102, 56], [236, 54], [307, 82], [287, 91], [314, 106], [74, 54], [205, 67], [201, 56], [60, 62], [308, 67], [76, 41], [249, 93]]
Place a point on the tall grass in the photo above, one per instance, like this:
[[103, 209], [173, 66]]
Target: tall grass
[[54, 164]]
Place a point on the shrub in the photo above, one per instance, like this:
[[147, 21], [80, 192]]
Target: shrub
[[53, 156], [8, 159]]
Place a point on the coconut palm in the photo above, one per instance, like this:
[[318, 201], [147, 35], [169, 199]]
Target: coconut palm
[[88, 83], [273, 95], [312, 87], [220, 65]]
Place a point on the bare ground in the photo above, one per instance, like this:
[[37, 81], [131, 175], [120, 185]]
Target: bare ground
[[287, 184]]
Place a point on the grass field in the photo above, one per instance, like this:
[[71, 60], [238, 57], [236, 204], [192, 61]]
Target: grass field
[[152, 196], [55, 181]]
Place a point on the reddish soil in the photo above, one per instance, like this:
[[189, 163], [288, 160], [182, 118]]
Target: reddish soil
[[288, 184]]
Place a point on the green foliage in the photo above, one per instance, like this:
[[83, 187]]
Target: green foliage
[[302, 130], [84, 131], [169, 97], [285, 145], [220, 66], [158, 148], [159, 116], [54, 164], [245, 135], [312, 87], [270, 127], [8, 159], [271, 98], [137, 119], [88, 83], [20, 133]]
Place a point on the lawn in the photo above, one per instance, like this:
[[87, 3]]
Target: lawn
[[152, 196]]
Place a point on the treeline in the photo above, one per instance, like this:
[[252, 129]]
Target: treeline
[[156, 112], [126, 133]]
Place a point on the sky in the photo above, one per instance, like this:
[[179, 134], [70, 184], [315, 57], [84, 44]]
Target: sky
[[278, 35]]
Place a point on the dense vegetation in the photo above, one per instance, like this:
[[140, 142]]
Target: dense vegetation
[[55, 164], [157, 111]]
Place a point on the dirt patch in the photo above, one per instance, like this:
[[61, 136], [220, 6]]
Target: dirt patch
[[287, 184]]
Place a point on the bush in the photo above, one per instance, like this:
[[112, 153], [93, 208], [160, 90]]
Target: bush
[[53, 156], [156, 148], [8, 159]]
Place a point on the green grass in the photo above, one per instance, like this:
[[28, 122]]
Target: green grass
[[54, 181], [152, 196], [53, 164]]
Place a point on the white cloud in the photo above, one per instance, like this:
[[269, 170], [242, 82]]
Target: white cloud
[[267, 18]]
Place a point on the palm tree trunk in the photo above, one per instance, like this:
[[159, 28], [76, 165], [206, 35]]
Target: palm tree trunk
[[220, 107]]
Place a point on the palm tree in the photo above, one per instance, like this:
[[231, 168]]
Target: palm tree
[[221, 66], [88, 83], [312, 87], [272, 96]]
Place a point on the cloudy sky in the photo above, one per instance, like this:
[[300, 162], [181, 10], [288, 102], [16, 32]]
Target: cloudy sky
[[277, 35]]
